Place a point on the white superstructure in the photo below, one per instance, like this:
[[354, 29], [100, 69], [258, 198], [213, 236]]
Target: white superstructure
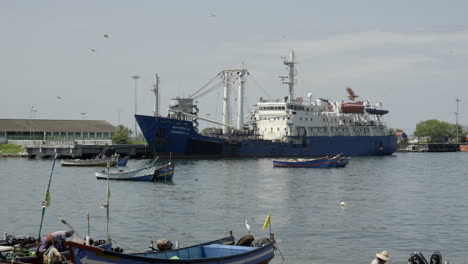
[[279, 119]]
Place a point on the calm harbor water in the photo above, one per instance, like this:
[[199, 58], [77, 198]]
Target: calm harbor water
[[402, 203]]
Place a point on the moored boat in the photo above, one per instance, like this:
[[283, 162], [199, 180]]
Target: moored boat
[[111, 161], [219, 251], [149, 173], [303, 163], [287, 127], [336, 161]]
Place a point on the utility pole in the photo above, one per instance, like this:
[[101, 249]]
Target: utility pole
[[456, 119], [135, 77]]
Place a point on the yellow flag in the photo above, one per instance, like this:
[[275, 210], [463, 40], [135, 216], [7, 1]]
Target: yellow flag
[[47, 200], [267, 221]]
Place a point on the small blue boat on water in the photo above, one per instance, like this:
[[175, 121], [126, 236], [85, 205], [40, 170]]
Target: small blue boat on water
[[324, 162], [220, 251]]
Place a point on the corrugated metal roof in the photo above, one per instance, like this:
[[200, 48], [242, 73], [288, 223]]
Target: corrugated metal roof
[[48, 125]]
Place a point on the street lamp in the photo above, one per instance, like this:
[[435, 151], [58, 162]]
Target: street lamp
[[82, 132], [31, 116], [456, 120], [136, 77]]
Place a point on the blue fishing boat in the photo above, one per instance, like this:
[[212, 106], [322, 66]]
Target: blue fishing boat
[[215, 252], [342, 162]]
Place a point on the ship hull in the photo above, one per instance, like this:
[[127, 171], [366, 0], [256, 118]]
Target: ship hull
[[178, 138]]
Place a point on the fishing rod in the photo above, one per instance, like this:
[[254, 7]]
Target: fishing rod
[[46, 202]]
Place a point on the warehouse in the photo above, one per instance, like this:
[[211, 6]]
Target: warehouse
[[49, 131]]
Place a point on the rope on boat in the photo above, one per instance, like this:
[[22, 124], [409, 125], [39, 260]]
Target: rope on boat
[[282, 257]]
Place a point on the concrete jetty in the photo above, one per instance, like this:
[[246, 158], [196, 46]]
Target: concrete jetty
[[88, 151]]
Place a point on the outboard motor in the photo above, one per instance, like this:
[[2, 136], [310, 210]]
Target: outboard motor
[[417, 258], [436, 258]]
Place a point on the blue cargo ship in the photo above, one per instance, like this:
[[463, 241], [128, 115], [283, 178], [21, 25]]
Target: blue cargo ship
[[277, 128]]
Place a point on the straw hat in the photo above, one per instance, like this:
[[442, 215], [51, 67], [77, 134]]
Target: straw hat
[[383, 255]]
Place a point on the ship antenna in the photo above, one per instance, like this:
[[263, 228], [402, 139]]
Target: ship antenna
[[156, 95], [290, 63]]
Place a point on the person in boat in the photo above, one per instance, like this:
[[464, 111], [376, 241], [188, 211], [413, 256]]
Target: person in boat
[[21, 249], [51, 254], [381, 258], [58, 239]]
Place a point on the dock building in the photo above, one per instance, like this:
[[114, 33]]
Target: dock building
[[59, 132]]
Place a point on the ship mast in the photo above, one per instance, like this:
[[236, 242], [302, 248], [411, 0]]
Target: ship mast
[[226, 104], [240, 100], [290, 63], [156, 95]]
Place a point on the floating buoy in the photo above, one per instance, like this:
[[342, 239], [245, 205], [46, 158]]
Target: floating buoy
[[343, 204]]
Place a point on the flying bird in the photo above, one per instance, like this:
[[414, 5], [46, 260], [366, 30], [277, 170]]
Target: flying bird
[[93, 50], [247, 226], [351, 94], [58, 97], [106, 36], [212, 15]]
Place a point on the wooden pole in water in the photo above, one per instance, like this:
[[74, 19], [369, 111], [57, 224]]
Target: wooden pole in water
[[107, 206], [46, 202]]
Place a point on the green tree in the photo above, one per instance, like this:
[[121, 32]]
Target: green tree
[[122, 136], [437, 131]]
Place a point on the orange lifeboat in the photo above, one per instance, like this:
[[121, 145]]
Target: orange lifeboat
[[352, 107]]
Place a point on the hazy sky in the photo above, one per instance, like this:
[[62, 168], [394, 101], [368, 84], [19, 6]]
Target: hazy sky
[[410, 55]]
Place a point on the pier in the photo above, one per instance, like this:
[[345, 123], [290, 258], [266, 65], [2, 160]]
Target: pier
[[88, 151], [430, 147]]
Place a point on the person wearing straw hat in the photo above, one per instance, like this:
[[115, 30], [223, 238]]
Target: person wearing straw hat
[[381, 258]]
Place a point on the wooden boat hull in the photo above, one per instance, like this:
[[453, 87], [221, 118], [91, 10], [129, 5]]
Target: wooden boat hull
[[151, 173], [313, 163], [335, 162], [214, 252], [165, 173], [90, 162]]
